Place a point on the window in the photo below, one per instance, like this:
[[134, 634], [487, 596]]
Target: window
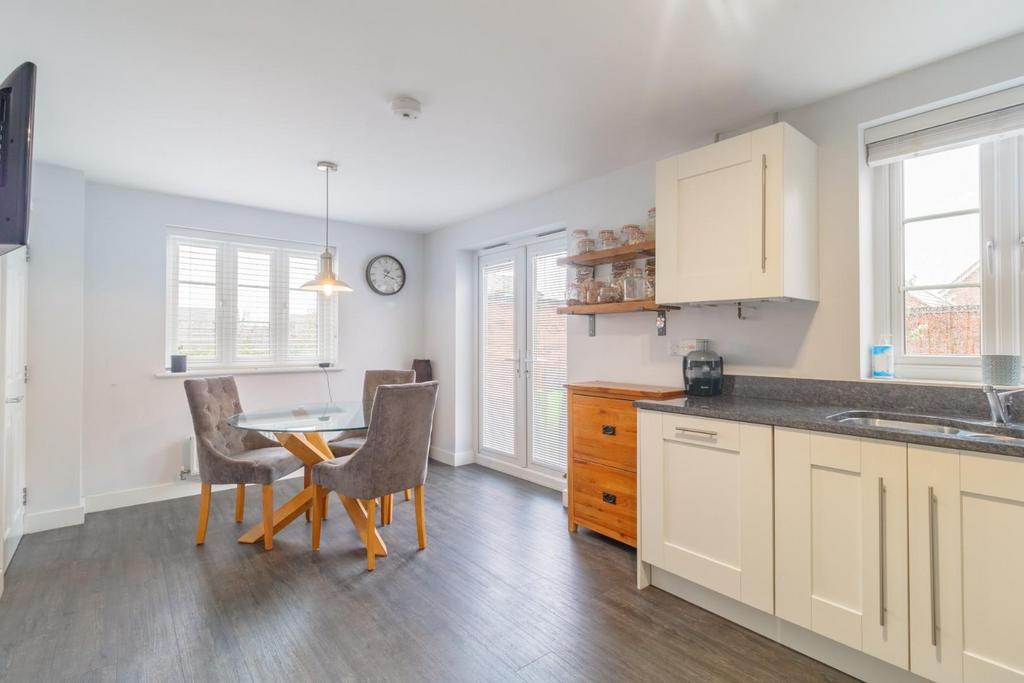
[[954, 272], [236, 302]]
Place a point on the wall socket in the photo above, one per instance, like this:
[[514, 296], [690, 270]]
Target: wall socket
[[678, 348]]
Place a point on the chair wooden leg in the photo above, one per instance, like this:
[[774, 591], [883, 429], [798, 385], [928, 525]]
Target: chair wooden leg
[[327, 499], [205, 493], [387, 509], [268, 517], [318, 516], [408, 494], [421, 521], [371, 554], [307, 478], [239, 503]]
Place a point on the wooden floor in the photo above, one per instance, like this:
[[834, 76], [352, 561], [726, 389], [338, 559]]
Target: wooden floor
[[502, 593]]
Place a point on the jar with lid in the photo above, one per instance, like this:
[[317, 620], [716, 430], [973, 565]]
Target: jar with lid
[[651, 223], [632, 234], [572, 294], [634, 285], [608, 239], [577, 236], [610, 293], [589, 291], [585, 245]]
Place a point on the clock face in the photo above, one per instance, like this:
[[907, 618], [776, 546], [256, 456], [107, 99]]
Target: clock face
[[385, 275]]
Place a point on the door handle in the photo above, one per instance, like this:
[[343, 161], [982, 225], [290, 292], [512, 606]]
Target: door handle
[[764, 212], [932, 565], [16, 399], [608, 430], [683, 431], [881, 553], [609, 498]]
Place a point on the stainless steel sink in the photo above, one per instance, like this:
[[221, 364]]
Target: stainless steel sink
[[905, 425], [922, 424]]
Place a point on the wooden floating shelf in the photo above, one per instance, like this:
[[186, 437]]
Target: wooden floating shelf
[[621, 307], [596, 258]]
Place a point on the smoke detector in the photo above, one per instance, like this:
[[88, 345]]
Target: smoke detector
[[406, 108]]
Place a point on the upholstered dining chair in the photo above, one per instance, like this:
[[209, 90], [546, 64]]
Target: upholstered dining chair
[[393, 458], [233, 456]]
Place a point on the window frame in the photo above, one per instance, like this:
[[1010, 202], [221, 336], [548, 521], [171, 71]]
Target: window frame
[[1001, 214], [228, 246]]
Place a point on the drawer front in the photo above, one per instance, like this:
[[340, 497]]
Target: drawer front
[[604, 499], [701, 431], [604, 431]]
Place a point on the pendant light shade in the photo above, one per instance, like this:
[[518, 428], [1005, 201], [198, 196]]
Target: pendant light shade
[[325, 281]]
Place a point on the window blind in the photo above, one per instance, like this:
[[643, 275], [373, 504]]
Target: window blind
[[497, 357], [234, 301], [981, 119], [547, 363]]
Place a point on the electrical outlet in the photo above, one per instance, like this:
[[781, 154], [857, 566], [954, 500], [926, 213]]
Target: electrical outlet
[[680, 347]]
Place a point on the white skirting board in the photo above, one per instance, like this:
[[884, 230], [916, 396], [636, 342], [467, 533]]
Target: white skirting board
[[54, 519], [836, 655], [449, 458]]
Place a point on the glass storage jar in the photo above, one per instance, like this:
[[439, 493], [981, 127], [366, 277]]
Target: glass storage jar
[[610, 293], [634, 285], [572, 294], [574, 242], [632, 234], [608, 239], [585, 245], [651, 223], [590, 290]]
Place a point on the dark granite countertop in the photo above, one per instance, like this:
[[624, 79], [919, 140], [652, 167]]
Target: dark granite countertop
[[814, 417]]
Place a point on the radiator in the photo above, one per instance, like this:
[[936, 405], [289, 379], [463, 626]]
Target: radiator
[[189, 460]]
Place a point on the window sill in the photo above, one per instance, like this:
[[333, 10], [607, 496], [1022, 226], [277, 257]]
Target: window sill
[[215, 372]]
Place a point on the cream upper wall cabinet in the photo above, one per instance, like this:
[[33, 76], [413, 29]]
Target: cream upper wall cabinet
[[706, 503], [966, 517], [738, 220], [841, 540]]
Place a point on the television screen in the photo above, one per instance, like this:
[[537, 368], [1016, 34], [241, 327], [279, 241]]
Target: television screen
[[17, 105]]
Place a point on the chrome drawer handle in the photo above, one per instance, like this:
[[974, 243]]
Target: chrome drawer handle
[[933, 562], [699, 432], [882, 608]]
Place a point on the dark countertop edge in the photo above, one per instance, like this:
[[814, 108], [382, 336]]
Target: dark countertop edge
[[763, 411]]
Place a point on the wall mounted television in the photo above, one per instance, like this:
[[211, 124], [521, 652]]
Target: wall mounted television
[[17, 109]]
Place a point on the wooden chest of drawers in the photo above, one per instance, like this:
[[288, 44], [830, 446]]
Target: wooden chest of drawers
[[602, 455]]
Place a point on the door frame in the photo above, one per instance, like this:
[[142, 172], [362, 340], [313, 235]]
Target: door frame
[[520, 463], [12, 526]]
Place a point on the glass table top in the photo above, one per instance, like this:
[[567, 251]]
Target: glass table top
[[312, 417]]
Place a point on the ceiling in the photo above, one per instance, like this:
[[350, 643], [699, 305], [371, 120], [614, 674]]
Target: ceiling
[[236, 100]]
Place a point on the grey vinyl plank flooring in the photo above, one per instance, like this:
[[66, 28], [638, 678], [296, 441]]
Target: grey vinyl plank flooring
[[502, 593]]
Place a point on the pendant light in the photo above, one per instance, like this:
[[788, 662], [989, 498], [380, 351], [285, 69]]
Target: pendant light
[[325, 281]]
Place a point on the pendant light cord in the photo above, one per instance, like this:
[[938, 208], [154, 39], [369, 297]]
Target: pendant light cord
[[327, 206]]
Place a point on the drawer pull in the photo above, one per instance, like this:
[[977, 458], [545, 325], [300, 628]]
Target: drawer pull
[[683, 431], [608, 430], [609, 498]]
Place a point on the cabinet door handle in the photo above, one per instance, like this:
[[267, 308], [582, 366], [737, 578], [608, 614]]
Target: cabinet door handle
[[932, 564], [609, 498], [881, 553], [764, 213], [700, 432], [608, 430]]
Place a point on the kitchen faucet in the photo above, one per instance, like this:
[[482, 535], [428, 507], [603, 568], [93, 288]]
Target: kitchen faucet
[[998, 401]]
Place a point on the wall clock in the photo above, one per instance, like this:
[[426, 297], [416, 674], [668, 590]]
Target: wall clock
[[385, 275]]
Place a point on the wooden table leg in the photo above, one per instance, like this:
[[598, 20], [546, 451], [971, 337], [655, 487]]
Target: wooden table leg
[[283, 516], [362, 521]]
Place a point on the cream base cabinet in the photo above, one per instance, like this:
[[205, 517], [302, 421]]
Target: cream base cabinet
[[966, 519], [841, 540], [706, 503], [738, 220]]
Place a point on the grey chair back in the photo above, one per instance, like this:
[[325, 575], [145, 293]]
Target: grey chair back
[[394, 457], [374, 378], [212, 400]]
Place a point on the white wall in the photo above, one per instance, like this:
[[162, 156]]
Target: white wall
[[133, 424], [56, 276], [797, 339]]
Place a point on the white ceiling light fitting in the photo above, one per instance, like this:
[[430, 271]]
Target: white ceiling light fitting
[[325, 281], [406, 107]]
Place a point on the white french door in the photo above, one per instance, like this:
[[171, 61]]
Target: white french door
[[15, 274], [522, 347]]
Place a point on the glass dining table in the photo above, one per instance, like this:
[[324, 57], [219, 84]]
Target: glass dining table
[[301, 430]]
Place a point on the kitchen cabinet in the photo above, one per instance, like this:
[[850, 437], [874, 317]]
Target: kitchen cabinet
[[706, 506], [738, 220], [841, 539], [966, 535]]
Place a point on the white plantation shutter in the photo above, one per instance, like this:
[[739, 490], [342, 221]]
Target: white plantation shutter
[[497, 351], [234, 301], [548, 421]]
